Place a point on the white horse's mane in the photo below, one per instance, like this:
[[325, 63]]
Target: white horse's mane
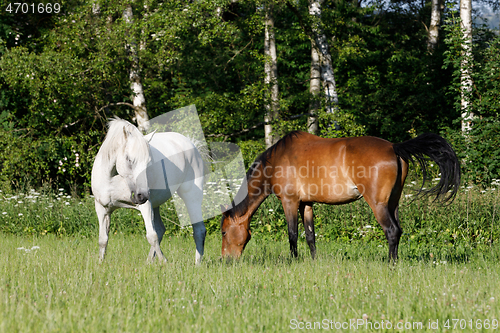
[[115, 140]]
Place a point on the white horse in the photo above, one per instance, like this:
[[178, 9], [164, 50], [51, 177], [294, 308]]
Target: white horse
[[142, 172]]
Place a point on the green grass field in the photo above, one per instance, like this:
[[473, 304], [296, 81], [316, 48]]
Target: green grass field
[[62, 287], [447, 279]]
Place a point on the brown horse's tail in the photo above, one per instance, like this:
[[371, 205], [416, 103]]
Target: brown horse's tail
[[427, 147]]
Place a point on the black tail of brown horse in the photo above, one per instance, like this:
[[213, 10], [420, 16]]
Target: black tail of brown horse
[[433, 147]]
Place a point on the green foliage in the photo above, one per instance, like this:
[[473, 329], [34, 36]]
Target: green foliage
[[62, 75], [386, 78], [479, 149], [251, 149], [347, 126], [485, 95], [54, 161]]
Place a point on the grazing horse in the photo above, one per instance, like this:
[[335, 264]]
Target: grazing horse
[[302, 168], [142, 172]]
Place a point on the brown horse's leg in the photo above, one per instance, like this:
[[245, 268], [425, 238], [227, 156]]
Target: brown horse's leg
[[386, 217], [395, 217], [383, 199], [290, 207], [392, 231], [306, 211]]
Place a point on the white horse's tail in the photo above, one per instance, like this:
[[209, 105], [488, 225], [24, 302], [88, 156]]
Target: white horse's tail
[[202, 148]]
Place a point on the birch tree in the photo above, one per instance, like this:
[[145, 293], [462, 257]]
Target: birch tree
[[271, 76], [321, 65], [320, 43], [138, 98], [433, 33], [466, 65], [314, 90]]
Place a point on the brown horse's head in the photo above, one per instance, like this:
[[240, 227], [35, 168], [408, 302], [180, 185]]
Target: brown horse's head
[[235, 235]]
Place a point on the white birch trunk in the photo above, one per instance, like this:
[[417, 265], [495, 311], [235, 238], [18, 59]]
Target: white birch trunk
[[321, 44], [271, 77], [314, 89], [433, 36], [466, 66], [96, 8], [138, 98]]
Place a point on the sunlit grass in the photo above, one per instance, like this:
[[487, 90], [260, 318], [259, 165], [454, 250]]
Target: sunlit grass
[[51, 280], [62, 287]]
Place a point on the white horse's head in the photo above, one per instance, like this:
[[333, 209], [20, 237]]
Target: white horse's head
[[131, 156]]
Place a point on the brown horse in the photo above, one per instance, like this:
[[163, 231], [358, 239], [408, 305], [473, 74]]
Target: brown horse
[[301, 169]]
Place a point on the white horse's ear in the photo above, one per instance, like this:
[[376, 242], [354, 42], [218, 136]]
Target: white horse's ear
[[149, 136]]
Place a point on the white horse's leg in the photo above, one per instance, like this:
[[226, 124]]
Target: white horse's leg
[[199, 233], [159, 228], [193, 200], [104, 218], [148, 216]]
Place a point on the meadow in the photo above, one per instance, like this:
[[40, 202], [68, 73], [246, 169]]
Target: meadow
[[447, 278]]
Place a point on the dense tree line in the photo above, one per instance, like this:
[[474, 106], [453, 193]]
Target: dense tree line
[[64, 74]]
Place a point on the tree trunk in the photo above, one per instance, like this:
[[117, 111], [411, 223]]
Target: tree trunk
[[466, 65], [96, 8], [433, 36], [138, 98], [315, 90], [320, 43], [321, 64], [271, 77]]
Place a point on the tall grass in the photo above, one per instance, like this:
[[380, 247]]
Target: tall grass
[[450, 232]]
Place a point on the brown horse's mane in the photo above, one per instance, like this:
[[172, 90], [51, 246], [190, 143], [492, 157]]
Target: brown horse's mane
[[262, 160]]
